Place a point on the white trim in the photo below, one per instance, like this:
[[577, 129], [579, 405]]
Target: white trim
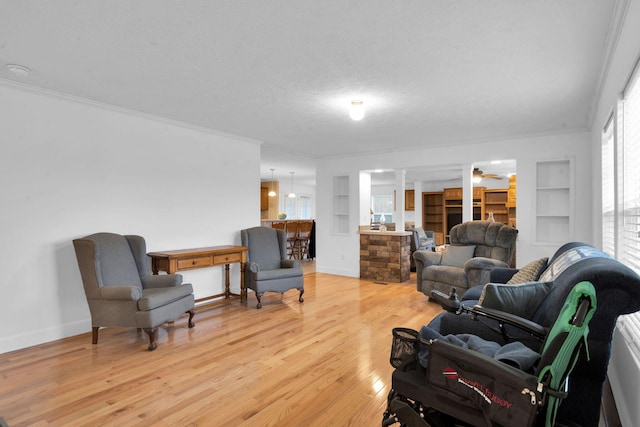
[[615, 29], [110, 107]]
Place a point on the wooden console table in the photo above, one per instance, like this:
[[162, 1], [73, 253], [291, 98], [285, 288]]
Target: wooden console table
[[189, 259]]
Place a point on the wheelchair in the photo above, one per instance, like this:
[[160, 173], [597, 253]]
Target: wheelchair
[[463, 387]]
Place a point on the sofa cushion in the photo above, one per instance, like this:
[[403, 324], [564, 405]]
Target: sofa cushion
[[157, 297], [277, 274], [530, 272], [456, 256]]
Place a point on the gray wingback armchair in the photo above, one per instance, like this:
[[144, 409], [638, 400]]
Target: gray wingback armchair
[[421, 240], [486, 244], [267, 268], [121, 290]]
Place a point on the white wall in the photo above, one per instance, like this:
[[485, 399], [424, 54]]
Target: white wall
[[340, 253], [624, 367], [69, 168]]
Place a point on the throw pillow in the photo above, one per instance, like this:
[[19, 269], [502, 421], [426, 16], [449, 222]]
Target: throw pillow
[[456, 256], [530, 272]]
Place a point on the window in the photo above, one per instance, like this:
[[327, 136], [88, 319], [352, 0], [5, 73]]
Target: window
[[608, 189], [290, 207], [630, 242], [305, 207], [298, 207], [621, 192], [382, 206]]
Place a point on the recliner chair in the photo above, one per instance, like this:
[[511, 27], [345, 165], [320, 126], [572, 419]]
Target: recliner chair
[[121, 290], [267, 268], [489, 245]]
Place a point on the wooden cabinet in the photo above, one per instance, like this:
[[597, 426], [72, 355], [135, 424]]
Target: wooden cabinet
[[453, 207], [511, 201], [443, 209], [495, 202], [433, 214], [264, 198], [409, 200]]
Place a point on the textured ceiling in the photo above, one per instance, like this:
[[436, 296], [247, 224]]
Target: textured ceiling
[[284, 72]]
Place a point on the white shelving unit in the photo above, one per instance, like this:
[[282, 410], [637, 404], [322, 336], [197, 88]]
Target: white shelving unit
[[554, 201], [340, 208]]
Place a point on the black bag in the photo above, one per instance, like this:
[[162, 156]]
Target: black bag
[[404, 349], [504, 394]]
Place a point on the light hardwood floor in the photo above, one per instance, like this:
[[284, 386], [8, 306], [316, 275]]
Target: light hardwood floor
[[321, 363]]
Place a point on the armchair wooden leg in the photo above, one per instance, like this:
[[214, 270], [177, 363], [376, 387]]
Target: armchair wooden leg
[[259, 303], [94, 334], [191, 314], [300, 297], [153, 336]]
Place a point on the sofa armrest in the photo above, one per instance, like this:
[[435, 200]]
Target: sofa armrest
[[252, 267], [290, 263], [427, 258], [122, 293], [478, 270], [424, 259], [161, 281]]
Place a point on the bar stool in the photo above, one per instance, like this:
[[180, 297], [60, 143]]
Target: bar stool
[[278, 224], [304, 237], [291, 227]]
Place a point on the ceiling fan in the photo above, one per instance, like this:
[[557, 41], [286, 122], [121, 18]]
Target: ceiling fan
[[477, 173]]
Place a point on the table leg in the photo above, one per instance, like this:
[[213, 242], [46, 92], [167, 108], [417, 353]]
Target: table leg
[[227, 291], [243, 287]]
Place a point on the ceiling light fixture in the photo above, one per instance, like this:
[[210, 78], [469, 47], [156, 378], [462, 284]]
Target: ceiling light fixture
[[291, 195], [271, 192], [356, 111], [18, 70]]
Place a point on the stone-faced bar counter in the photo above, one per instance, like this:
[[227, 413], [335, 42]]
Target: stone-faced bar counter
[[385, 255]]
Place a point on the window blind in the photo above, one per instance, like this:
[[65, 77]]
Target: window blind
[[629, 246], [608, 189], [621, 193]]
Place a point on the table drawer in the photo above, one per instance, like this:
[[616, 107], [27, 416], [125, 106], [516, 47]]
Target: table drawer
[[226, 259], [196, 262]]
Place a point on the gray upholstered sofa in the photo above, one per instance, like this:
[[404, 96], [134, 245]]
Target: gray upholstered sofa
[[475, 248]]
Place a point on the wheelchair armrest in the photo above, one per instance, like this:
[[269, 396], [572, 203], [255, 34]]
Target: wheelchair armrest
[[504, 317], [450, 302]]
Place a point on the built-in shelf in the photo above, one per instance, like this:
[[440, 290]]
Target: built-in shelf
[[433, 214], [340, 208], [554, 201], [441, 210]]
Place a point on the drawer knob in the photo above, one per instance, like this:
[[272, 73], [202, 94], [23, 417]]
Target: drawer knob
[[193, 262]]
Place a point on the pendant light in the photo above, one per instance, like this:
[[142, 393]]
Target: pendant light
[[291, 195], [356, 111], [271, 192]]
